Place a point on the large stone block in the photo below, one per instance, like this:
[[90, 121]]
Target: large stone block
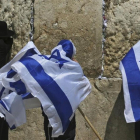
[[122, 32], [104, 108], [80, 21]]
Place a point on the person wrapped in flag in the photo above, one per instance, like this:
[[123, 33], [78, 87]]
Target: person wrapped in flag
[[56, 81], [130, 69]]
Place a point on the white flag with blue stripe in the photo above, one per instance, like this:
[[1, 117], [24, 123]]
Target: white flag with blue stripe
[[14, 100], [130, 69], [56, 80]]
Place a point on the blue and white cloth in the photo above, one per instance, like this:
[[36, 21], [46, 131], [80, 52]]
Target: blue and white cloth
[[56, 81], [130, 69]]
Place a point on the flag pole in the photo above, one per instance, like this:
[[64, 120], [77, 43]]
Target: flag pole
[[85, 117]]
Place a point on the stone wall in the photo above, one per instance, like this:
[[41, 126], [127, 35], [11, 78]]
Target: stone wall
[[104, 107], [17, 16], [122, 32], [80, 21]]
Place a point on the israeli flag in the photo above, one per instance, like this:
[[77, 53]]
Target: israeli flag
[[130, 69], [13, 94], [56, 80]]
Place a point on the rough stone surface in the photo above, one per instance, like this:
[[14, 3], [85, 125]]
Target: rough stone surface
[[122, 32], [104, 108], [17, 16], [80, 21]]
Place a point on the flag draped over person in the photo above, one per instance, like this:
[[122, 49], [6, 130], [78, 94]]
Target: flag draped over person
[[130, 69], [56, 81]]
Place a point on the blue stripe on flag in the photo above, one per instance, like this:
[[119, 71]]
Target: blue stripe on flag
[[19, 87], [1, 102], [53, 91], [30, 52], [133, 78], [11, 73], [1, 92]]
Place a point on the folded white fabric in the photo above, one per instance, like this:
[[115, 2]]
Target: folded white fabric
[[57, 81], [6, 91], [13, 108]]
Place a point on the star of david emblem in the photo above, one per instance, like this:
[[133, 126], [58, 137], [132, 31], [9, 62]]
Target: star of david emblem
[[56, 55]]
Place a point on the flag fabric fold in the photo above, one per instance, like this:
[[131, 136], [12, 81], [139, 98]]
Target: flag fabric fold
[[56, 81], [13, 108], [130, 69]]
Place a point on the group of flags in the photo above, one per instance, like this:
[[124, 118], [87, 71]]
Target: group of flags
[[55, 82]]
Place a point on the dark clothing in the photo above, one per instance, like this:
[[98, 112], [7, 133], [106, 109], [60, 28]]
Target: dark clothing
[[137, 130], [3, 129], [68, 135], [5, 48]]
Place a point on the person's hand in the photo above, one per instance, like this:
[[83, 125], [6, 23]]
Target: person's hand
[[74, 59]]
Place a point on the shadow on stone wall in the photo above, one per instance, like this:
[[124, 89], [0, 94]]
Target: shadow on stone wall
[[117, 128]]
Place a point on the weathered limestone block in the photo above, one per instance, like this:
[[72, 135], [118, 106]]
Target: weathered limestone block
[[17, 16], [80, 21], [104, 108], [122, 32]]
